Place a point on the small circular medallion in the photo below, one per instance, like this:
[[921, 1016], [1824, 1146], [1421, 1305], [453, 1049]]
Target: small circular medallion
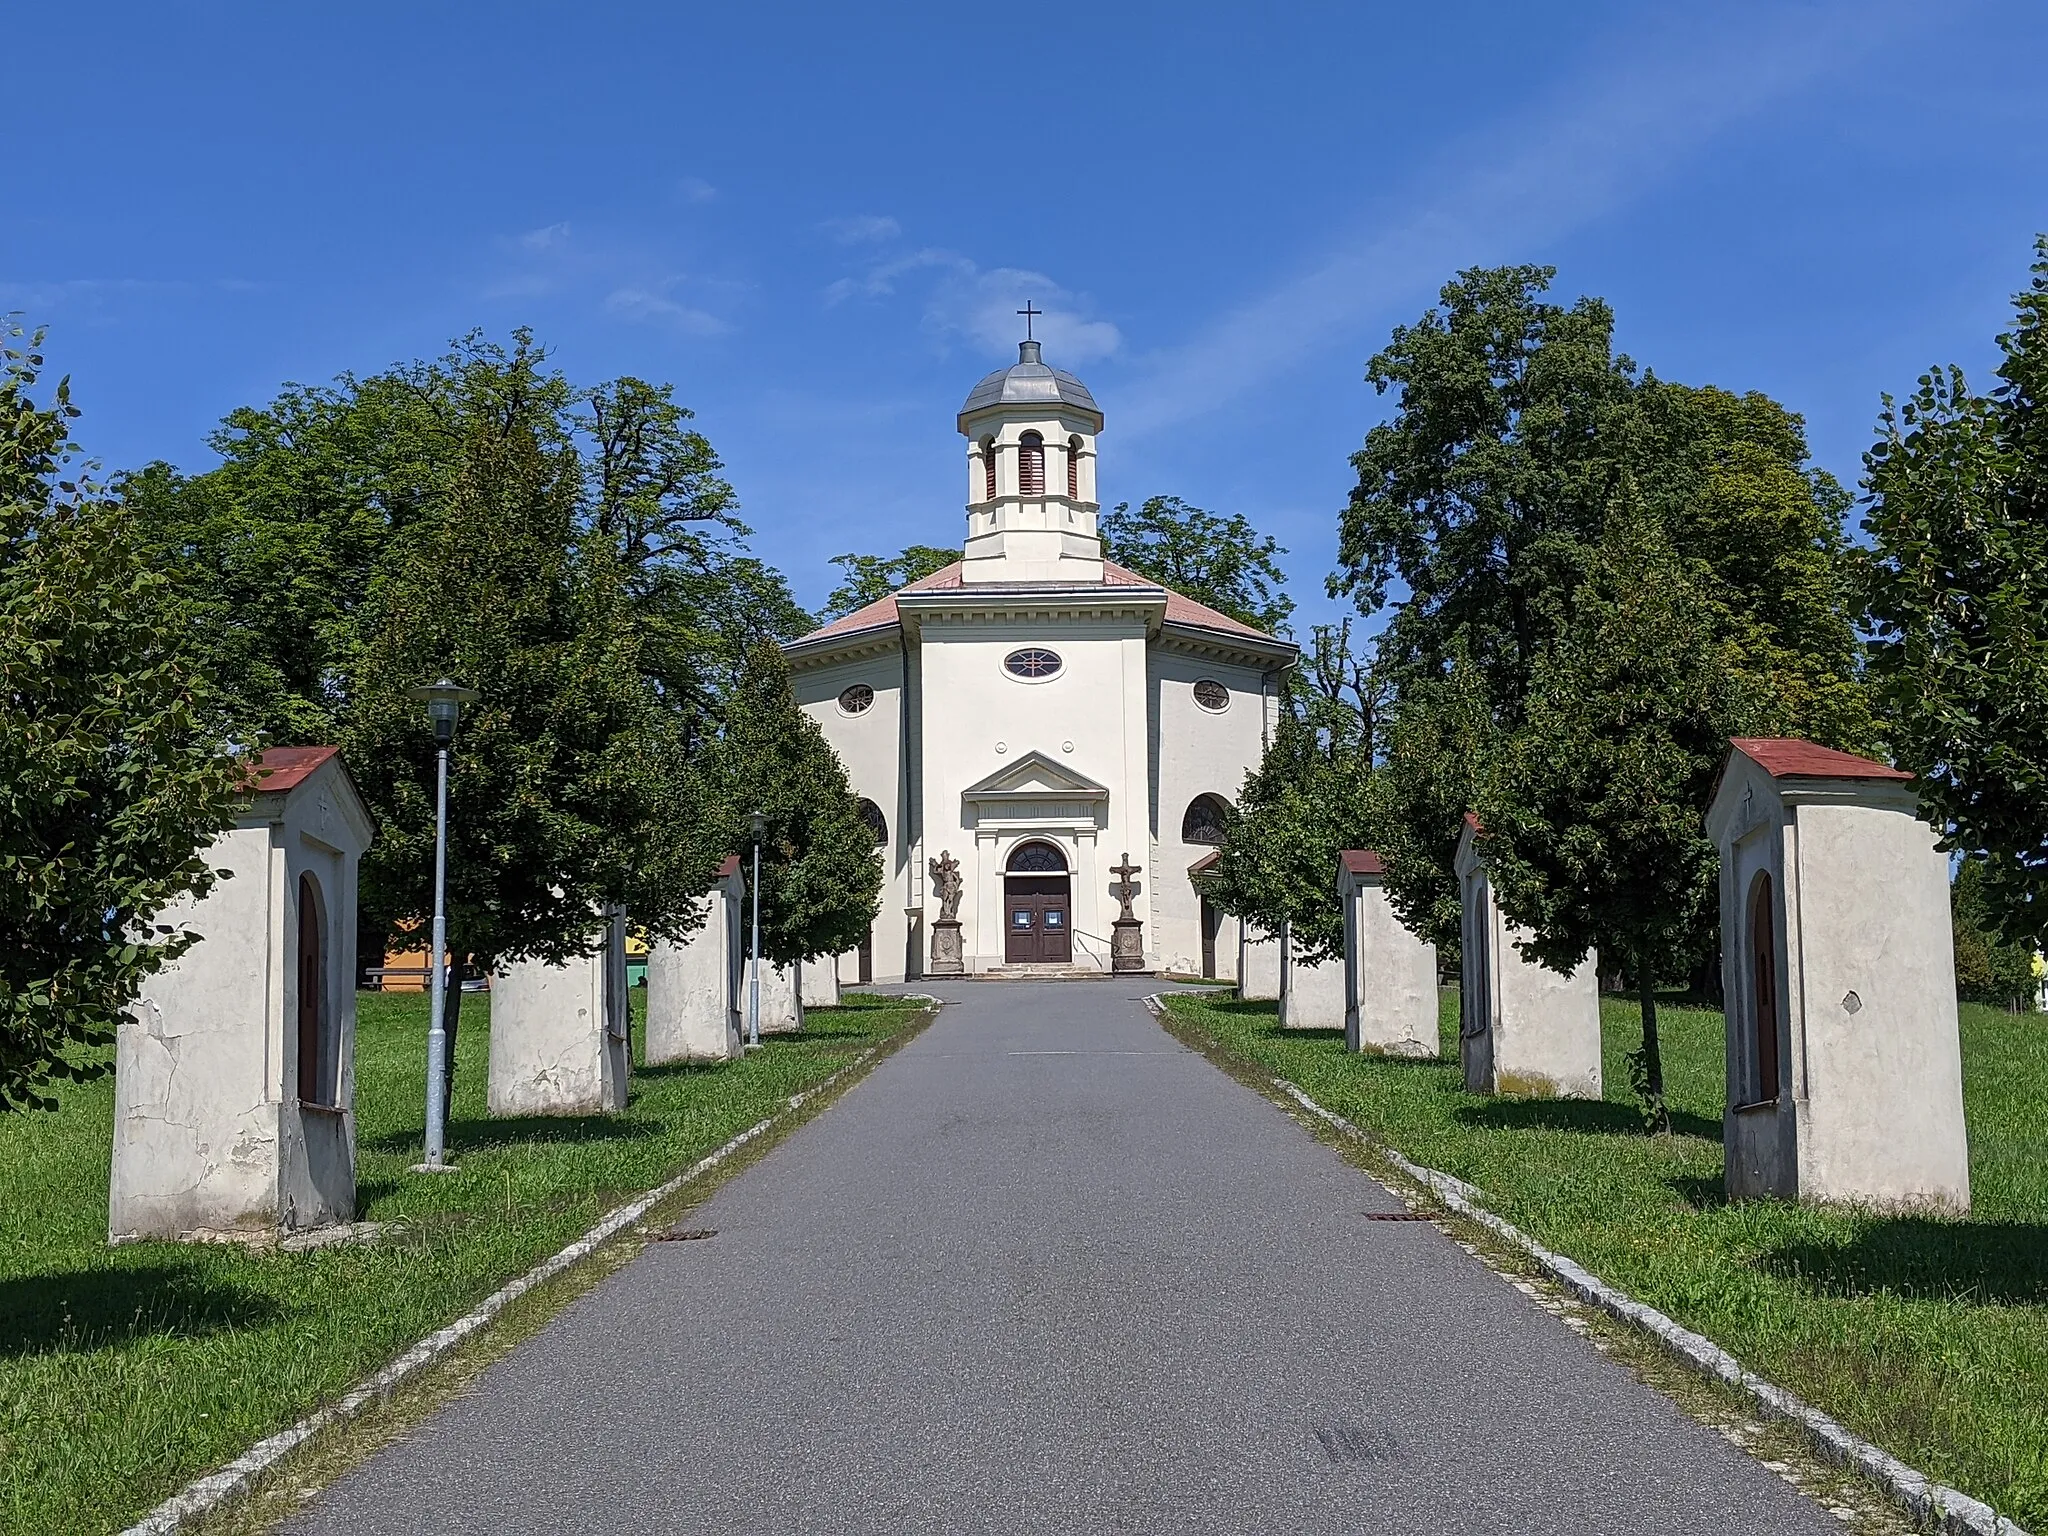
[[1212, 695], [857, 700]]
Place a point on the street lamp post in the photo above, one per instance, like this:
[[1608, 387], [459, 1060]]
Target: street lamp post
[[444, 701], [754, 970]]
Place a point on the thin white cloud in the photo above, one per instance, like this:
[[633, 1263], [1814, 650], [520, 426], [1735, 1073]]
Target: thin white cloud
[[695, 189], [965, 302], [862, 229], [549, 237], [650, 305], [1510, 193], [623, 278]]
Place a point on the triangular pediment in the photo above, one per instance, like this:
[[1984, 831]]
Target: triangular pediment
[[1034, 776]]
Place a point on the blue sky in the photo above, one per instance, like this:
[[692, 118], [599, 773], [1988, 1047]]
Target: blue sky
[[817, 221]]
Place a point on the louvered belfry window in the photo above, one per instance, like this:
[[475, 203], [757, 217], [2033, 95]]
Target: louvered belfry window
[[1073, 469], [988, 468], [1031, 465]]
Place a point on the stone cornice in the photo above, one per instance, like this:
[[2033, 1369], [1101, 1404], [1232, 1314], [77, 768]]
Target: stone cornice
[[995, 603], [1224, 645], [830, 650]]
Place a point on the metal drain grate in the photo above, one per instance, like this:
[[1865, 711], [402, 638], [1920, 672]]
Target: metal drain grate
[[1397, 1216], [683, 1235]]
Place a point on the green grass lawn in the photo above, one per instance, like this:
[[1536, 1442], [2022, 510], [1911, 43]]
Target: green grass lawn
[[126, 1372], [1928, 1337]]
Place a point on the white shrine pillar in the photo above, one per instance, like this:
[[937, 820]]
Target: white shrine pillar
[[1843, 1059], [1390, 997], [818, 981], [782, 1004], [1523, 1029], [1311, 992], [559, 1033], [1259, 964], [234, 1074], [693, 988]]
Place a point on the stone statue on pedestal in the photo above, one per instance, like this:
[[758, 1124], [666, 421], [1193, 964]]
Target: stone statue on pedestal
[[1127, 936], [946, 948]]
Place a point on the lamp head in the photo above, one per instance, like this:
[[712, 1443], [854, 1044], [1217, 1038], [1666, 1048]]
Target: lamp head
[[444, 700], [760, 826]]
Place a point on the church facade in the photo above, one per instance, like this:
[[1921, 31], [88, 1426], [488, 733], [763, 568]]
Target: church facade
[[1040, 716]]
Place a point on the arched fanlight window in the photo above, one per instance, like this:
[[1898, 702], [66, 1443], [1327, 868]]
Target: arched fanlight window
[[1073, 469], [878, 824], [1037, 859], [1031, 465], [1204, 823], [988, 468]]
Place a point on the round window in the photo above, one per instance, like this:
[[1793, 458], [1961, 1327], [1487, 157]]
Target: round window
[[1033, 663], [1212, 695], [857, 699]]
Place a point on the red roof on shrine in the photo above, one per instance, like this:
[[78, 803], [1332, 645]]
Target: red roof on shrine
[[1787, 757], [286, 768], [730, 867], [1361, 861], [882, 613]]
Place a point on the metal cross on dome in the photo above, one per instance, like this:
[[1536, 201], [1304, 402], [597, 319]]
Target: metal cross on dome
[[1028, 312]]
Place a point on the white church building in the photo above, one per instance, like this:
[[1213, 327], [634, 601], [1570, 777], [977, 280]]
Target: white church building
[[1038, 715]]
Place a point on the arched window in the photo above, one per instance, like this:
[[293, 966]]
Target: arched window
[[988, 468], [1205, 821], [316, 1072], [1073, 469], [878, 824], [1763, 979], [1036, 859], [1031, 465]]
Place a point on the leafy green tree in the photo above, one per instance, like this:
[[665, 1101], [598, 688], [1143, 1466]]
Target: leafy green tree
[[1483, 501], [1958, 514], [116, 775], [277, 551], [1219, 560], [1439, 733], [1592, 804], [571, 788], [1305, 802], [868, 579], [821, 879], [1989, 969]]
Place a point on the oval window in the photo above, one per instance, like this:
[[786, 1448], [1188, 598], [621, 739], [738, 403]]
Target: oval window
[[1033, 662], [1212, 695], [857, 699]]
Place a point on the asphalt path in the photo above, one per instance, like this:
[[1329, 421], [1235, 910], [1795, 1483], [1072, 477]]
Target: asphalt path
[[1045, 1270]]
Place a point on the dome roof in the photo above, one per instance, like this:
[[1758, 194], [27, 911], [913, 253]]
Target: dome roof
[[1029, 382]]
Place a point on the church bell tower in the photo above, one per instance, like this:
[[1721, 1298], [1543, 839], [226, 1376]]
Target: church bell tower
[[1031, 504]]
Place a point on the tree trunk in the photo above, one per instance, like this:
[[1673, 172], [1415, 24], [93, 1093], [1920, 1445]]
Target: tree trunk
[[1650, 1060], [451, 1015]]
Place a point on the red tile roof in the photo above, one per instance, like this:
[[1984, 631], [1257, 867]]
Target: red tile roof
[[882, 613], [286, 768], [730, 867], [1472, 821], [1361, 861], [1786, 757], [1206, 862]]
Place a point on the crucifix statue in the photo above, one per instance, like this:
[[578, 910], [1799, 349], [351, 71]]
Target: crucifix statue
[[1125, 889]]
